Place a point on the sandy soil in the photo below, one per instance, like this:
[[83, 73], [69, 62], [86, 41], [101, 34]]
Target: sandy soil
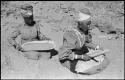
[[55, 21]]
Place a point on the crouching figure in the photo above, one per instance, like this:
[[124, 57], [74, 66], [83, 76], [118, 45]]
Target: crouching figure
[[79, 54]]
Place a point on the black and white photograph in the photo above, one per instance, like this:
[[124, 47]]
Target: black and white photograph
[[62, 39]]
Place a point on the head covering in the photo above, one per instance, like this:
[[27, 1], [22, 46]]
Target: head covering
[[26, 10], [27, 7], [27, 13], [84, 14]]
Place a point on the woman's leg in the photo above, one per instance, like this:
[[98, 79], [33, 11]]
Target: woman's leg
[[73, 65]]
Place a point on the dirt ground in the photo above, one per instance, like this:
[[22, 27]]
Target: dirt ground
[[56, 17]]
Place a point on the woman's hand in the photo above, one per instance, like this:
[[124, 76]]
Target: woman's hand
[[18, 47]]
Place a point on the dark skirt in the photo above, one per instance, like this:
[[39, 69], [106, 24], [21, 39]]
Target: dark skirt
[[81, 51]]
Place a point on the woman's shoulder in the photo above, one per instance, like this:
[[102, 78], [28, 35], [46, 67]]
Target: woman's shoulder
[[69, 32]]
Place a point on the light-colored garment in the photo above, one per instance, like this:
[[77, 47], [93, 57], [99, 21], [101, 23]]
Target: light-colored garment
[[73, 39], [81, 37], [83, 16]]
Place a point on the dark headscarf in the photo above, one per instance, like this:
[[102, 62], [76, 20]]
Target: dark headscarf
[[27, 7]]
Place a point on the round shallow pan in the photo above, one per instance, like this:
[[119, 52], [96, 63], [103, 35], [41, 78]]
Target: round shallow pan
[[92, 67], [38, 45]]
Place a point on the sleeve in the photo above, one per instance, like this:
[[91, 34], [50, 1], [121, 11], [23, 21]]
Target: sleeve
[[13, 35], [41, 36], [68, 44], [69, 40]]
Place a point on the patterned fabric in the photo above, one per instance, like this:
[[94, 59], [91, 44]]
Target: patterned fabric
[[81, 37], [73, 39]]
